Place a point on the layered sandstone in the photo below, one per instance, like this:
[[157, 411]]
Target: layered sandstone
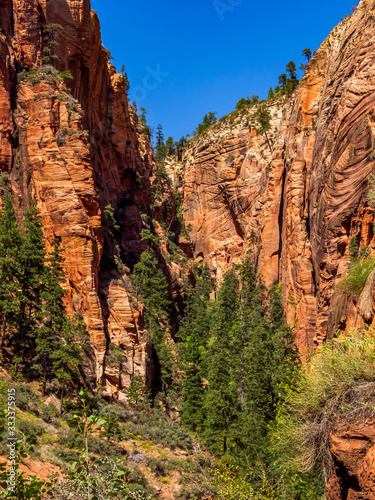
[[76, 149], [295, 207], [353, 463]]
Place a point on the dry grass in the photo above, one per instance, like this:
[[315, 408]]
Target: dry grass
[[337, 387]]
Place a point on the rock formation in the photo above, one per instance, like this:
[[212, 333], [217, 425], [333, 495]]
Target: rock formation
[[76, 149], [353, 463], [295, 207], [295, 201]]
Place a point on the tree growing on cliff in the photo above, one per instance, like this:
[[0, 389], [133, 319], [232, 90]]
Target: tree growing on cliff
[[50, 39], [126, 79], [282, 80], [208, 120], [159, 145], [308, 54], [35, 330], [292, 70], [263, 118]]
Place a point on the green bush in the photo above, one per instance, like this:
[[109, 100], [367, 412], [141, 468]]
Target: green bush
[[358, 272], [337, 387], [45, 73], [29, 428], [26, 399]]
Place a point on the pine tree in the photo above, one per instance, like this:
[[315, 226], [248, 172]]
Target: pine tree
[[31, 283], [263, 117], [169, 146], [194, 333], [271, 94], [160, 146], [126, 79], [282, 80], [292, 70], [153, 288], [52, 315], [10, 270], [221, 401]]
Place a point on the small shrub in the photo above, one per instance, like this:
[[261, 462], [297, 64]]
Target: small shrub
[[30, 428], [62, 98], [358, 272]]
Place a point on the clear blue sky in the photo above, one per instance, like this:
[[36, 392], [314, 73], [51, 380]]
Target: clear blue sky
[[187, 57]]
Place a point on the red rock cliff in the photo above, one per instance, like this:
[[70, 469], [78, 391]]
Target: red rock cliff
[[77, 149], [297, 206]]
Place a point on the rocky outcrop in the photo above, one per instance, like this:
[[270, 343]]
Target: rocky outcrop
[[353, 463], [76, 148], [295, 207]]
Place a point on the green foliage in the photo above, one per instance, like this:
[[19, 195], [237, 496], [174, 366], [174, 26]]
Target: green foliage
[[337, 386], [110, 220], [263, 118], [194, 333], [126, 79], [46, 73], [353, 249], [160, 149], [137, 392], [26, 487], [358, 272], [150, 283], [292, 70], [35, 328], [208, 120], [308, 54], [371, 191], [231, 485]]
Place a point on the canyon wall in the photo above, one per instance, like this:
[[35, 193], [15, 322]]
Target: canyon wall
[[296, 202], [76, 147]]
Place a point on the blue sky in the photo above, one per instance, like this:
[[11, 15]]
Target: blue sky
[[185, 58]]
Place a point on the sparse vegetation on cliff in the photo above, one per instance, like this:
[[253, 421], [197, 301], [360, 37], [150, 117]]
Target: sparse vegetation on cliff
[[336, 387]]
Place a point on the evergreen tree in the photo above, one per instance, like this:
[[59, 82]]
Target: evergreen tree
[[263, 117], [170, 146], [292, 70], [282, 80], [308, 54], [126, 79], [251, 370], [180, 146], [194, 333], [243, 103], [10, 270], [221, 401], [58, 342], [31, 283], [160, 146], [208, 120], [153, 288], [271, 94]]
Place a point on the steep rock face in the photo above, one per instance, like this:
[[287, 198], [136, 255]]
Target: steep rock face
[[353, 463], [75, 163], [298, 207]]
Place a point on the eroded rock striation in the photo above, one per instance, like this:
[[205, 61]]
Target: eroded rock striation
[[76, 148], [297, 203]]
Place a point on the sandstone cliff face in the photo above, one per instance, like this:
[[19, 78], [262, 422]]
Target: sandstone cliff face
[[77, 149], [298, 206], [353, 463]]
